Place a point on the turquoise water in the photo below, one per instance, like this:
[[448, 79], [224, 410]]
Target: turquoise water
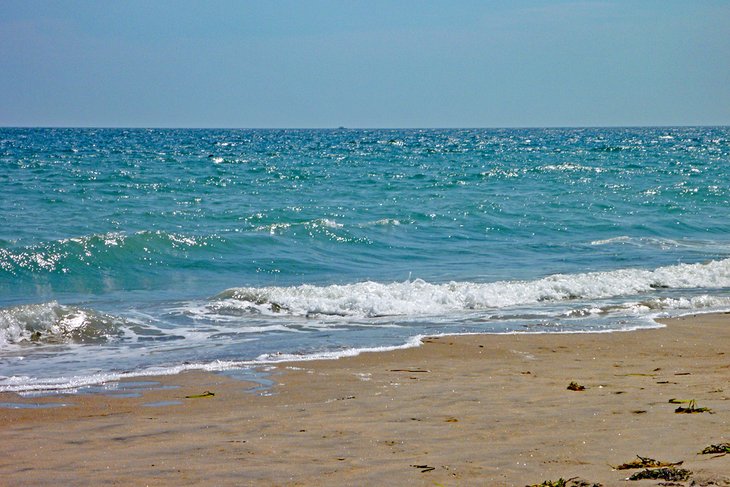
[[128, 252]]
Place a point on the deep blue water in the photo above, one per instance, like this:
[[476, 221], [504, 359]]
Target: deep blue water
[[125, 251]]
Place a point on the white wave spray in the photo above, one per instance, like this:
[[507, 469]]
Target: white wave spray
[[417, 297]]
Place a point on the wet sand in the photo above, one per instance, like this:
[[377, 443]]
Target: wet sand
[[473, 410]]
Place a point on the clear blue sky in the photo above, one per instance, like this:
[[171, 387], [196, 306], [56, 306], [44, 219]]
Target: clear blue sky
[[372, 63]]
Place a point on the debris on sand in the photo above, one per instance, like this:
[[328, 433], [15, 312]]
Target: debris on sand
[[571, 482], [574, 386], [720, 448], [197, 396], [645, 462], [692, 408], [424, 468], [666, 473]]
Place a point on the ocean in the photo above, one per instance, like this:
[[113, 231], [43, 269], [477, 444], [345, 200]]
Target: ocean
[[131, 252]]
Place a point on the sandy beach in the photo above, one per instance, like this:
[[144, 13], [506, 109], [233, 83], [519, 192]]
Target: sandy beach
[[470, 410]]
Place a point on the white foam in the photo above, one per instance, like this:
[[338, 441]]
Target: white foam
[[414, 298], [607, 241], [383, 222], [331, 355], [697, 303], [17, 323], [326, 222], [51, 321], [316, 224], [72, 384], [665, 243]]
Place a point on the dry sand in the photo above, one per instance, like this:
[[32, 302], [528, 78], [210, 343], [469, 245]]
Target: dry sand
[[473, 410]]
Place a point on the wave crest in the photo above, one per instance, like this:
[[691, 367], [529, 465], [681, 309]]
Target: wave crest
[[54, 323], [372, 299], [63, 255]]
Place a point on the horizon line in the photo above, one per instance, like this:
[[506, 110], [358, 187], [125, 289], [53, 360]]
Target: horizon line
[[513, 127]]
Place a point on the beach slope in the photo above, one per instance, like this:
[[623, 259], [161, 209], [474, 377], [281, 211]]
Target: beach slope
[[470, 410]]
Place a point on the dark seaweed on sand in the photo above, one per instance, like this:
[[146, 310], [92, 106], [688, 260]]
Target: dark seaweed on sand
[[198, 396], [574, 386], [571, 482], [645, 462], [666, 473], [720, 448], [692, 408], [561, 482], [424, 468]]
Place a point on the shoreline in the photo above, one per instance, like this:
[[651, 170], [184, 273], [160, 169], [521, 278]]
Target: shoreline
[[94, 382], [458, 410]]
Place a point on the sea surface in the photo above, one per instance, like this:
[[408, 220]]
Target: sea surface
[[126, 252]]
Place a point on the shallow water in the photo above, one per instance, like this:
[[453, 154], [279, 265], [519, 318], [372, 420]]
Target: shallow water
[[129, 252]]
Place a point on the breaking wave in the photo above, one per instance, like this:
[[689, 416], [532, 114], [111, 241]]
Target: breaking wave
[[54, 323], [417, 297]]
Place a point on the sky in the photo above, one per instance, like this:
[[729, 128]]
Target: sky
[[370, 64]]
